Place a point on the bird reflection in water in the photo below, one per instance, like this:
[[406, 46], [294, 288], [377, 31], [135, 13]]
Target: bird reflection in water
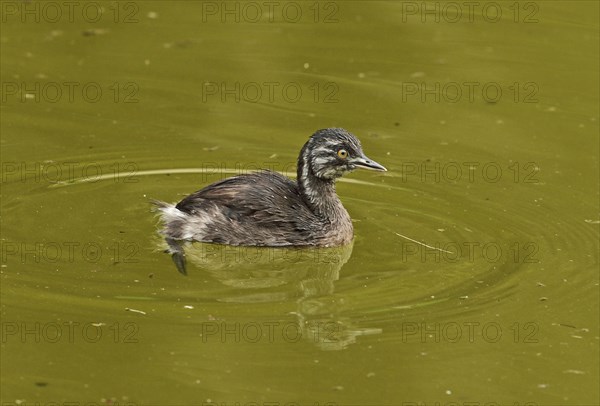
[[304, 275]]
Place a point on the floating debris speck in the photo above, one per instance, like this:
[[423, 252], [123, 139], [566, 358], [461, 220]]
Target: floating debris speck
[[134, 310]]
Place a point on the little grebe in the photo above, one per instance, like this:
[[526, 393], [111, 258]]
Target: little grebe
[[268, 209]]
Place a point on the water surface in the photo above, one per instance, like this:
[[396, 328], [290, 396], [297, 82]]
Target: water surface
[[489, 130]]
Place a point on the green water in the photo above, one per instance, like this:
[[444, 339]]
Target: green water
[[104, 109]]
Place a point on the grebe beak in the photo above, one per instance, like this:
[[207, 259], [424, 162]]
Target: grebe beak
[[367, 163]]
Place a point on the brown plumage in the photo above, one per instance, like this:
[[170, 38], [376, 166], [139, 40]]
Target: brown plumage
[[268, 209]]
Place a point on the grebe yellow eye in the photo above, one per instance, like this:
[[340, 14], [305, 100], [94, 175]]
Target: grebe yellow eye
[[342, 153]]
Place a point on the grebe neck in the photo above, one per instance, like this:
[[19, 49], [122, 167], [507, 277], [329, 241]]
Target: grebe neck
[[319, 194]]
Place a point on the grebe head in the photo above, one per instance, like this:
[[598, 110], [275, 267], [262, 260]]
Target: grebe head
[[332, 152]]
